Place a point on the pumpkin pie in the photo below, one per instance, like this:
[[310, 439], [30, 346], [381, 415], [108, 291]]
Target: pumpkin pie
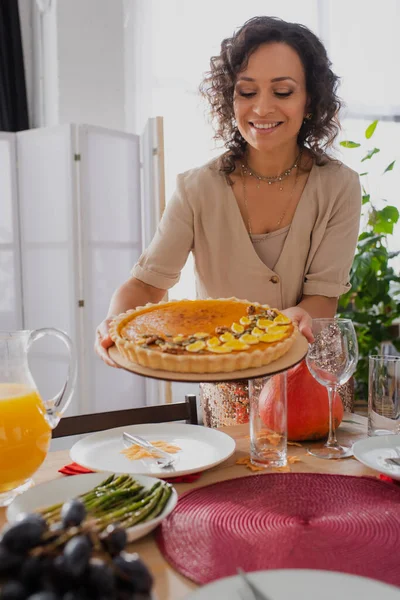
[[203, 336]]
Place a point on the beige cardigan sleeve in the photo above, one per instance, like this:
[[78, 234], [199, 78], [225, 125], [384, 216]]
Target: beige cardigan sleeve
[[328, 272], [161, 263]]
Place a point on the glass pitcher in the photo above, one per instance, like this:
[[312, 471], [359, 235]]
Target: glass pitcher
[[26, 420]]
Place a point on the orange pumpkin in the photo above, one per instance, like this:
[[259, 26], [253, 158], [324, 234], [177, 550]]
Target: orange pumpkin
[[307, 405]]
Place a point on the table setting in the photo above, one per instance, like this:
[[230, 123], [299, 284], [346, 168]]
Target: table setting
[[244, 511]]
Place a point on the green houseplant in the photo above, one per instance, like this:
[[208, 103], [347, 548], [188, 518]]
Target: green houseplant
[[373, 303]]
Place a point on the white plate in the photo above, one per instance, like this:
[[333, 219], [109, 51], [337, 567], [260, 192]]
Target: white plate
[[373, 450], [60, 490], [299, 584], [201, 448]]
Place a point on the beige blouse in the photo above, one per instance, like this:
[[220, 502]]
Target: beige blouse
[[203, 217], [269, 246]]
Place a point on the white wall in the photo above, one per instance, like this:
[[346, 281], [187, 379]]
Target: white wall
[[74, 61], [91, 62], [138, 72]]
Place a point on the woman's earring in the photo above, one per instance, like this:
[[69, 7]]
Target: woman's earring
[[308, 117]]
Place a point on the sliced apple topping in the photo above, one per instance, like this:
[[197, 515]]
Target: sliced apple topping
[[263, 323], [196, 346], [237, 345], [279, 329], [271, 337], [224, 349], [178, 338], [248, 338], [226, 337], [245, 321], [237, 328], [257, 332], [282, 320]]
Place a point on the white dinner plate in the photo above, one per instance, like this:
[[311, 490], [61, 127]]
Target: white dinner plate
[[60, 490], [299, 584], [373, 450], [201, 448]]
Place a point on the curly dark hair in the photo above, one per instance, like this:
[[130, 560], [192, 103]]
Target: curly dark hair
[[316, 134]]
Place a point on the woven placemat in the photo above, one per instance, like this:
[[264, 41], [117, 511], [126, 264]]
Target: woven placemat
[[285, 521]]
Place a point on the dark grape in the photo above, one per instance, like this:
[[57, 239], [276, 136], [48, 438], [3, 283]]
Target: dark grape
[[13, 590], [99, 579], [76, 555], [114, 539], [34, 572], [31, 518], [78, 595], [10, 562], [73, 513], [24, 534], [132, 571], [44, 596], [128, 595], [56, 577]]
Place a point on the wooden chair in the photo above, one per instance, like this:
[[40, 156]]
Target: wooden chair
[[163, 413]]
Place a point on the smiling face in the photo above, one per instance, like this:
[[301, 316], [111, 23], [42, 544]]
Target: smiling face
[[270, 98]]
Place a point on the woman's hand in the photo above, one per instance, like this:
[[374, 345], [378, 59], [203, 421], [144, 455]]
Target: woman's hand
[[103, 342], [302, 319]]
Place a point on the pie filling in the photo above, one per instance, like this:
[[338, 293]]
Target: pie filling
[[206, 327]]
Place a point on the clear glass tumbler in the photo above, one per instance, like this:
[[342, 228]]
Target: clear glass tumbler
[[268, 421], [384, 395]]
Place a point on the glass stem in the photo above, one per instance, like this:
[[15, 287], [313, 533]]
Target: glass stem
[[332, 441]]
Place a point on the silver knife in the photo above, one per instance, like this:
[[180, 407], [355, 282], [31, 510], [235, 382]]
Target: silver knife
[[256, 593], [168, 459]]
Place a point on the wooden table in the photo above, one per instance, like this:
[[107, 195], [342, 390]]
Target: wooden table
[[170, 585]]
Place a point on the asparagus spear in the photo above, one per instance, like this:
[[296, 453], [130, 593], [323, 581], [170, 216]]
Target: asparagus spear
[[118, 498]]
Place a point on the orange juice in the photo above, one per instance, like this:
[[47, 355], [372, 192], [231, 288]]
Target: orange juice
[[24, 434]]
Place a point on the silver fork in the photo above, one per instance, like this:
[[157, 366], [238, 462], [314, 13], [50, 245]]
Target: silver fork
[[256, 594], [393, 460], [166, 461]]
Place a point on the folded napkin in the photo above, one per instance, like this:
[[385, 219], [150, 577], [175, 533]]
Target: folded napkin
[[75, 469], [389, 479]]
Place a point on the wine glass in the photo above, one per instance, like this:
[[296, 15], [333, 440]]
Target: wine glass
[[332, 359]]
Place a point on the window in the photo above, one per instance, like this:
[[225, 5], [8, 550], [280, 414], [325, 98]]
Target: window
[[362, 42]]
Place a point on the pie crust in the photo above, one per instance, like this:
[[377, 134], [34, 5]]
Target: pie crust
[[181, 324]]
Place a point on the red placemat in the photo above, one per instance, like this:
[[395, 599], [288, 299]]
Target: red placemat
[[285, 521]]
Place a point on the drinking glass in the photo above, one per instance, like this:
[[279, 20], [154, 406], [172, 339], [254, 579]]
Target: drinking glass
[[332, 359], [384, 395], [268, 421]]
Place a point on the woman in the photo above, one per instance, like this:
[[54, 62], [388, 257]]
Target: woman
[[273, 220]]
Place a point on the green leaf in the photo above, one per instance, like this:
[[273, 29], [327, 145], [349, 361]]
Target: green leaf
[[369, 132], [389, 167], [367, 239], [365, 198], [368, 234], [370, 154], [362, 174], [348, 144], [383, 220], [390, 213], [383, 227]]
